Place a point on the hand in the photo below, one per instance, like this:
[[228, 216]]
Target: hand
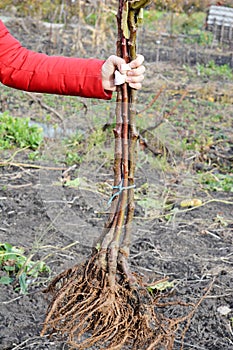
[[134, 76]]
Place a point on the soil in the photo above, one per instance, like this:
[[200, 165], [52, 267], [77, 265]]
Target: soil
[[194, 247]]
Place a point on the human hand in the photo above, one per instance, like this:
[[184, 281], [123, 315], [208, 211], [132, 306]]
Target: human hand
[[134, 76]]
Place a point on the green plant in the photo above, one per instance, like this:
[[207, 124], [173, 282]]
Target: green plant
[[19, 267], [91, 18], [187, 6], [217, 182], [34, 155], [73, 144], [96, 138], [205, 38], [77, 146], [153, 16], [72, 157], [200, 37], [160, 286], [211, 69], [17, 132]]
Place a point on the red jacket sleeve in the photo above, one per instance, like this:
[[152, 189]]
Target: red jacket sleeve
[[27, 70]]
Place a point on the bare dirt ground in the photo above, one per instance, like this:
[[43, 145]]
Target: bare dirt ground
[[194, 246]]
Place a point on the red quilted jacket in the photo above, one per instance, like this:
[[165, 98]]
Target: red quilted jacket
[[26, 70]]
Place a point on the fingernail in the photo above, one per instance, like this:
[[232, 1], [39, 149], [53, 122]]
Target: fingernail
[[130, 73]]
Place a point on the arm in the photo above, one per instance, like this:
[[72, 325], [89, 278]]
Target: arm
[[26, 70]]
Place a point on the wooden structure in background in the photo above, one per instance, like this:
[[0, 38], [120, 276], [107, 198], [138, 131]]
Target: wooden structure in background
[[220, 23]]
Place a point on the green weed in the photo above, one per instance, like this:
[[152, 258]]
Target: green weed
[[192, 24], [153, 17], [161, 286], [212, 70], [77, 146], [202, 38], [19, 267], [205, 38], [17, 132], [217, 182], [34, 155], [72, 157], [177, 22], [73, 144]]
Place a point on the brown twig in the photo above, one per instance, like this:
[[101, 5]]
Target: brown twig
[[44, 105], [154, 99], [34, 166], [143, 141], [177, 104]]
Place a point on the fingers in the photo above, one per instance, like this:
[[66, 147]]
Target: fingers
[[134, 68], [136, 86], [135, 76], [137, 62], [137, 72], [134, 72], [133, 65]]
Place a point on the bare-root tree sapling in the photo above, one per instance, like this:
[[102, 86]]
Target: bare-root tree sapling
[[101, 302]]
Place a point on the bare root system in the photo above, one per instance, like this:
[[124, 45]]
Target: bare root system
[[85, 311]]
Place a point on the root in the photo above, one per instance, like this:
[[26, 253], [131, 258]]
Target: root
[[85, 311]]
